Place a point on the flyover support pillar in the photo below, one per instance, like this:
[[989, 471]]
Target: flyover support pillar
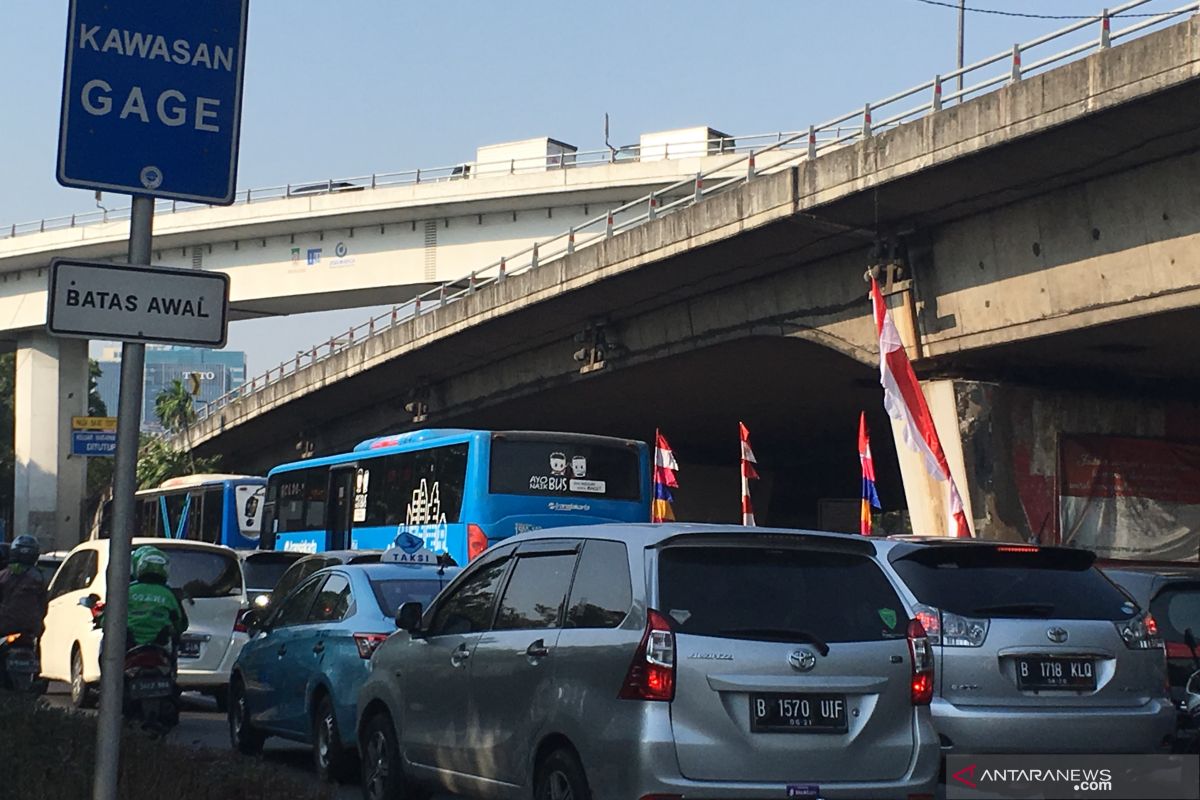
[[49, 491], [927, 498]]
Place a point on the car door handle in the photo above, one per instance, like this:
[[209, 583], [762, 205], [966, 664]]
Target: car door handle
[[537, 650], [282, 651], [319, 648], [460, 655]]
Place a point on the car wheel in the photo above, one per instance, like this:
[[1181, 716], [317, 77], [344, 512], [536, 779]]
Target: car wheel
[[560, 777], [244, 737], [82, 695], [382, 773], [331, 757]]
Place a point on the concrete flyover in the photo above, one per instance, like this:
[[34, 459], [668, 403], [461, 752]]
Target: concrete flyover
[[1047, 234], [309, 247]]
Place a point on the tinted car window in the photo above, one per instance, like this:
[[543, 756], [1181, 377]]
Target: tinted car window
[[601, 594], [204, 573], [535, 593], [1177, 608], [333, 602], [295, 608], [264, 571], [391, 594], [76, 574], [469, 609], [774, 594], [298, 572], [995, 582]]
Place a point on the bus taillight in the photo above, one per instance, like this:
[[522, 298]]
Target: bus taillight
[[477, 541]]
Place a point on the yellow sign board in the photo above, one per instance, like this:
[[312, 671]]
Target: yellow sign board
[[94, 423]]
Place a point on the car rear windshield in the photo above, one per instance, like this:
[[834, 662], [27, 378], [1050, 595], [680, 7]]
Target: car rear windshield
[[565, 467], [778, 594], [263, 572], [1177, 608], [204, 573], [990, 582], [391, 594]]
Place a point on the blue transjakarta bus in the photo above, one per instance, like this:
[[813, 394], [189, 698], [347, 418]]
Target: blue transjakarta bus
[[459, 490], [219, 509]]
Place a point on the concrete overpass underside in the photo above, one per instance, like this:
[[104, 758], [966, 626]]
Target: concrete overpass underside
[[1049, 233]]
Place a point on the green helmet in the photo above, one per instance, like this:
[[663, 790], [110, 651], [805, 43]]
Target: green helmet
[[149, 562]]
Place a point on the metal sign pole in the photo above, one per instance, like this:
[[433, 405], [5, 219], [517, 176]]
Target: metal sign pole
[[116, 609]]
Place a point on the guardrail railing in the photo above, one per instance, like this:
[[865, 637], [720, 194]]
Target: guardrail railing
[[467, 170], [741, 166]]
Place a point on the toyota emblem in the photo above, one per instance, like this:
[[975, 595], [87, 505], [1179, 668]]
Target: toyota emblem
[[802, 660], [1056, 634]]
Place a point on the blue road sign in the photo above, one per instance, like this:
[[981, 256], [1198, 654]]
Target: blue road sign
[[93, 443], [152, 97]]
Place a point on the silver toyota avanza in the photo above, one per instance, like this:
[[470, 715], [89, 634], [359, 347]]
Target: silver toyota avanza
[[639, 662]]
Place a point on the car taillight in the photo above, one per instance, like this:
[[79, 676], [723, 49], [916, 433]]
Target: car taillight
[[477, 541], [651, 674], [12, 637], [951, 630], [239, 622], [921, 653], [1140, 632], [368, 643]]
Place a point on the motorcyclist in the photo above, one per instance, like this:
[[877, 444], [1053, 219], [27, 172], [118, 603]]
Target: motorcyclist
[[155, 614], [22, 590]]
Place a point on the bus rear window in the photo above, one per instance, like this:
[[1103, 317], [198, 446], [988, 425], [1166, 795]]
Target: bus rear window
[[565, 468]]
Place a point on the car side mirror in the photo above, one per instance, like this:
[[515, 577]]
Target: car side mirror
[[408, 617], [252, 619], [90, 601]]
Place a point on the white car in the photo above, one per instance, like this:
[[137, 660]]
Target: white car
[[210, 579]]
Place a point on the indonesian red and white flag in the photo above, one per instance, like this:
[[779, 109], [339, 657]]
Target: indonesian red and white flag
[[748, 474], [905, 403]]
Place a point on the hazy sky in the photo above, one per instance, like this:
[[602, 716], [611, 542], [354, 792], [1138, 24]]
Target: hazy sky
[[350, 87]]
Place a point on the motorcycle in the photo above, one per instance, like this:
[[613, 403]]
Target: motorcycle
[[19, 666], [151, 694]]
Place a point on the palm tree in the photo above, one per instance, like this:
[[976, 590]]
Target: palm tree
[[175, 411], [174, 407]]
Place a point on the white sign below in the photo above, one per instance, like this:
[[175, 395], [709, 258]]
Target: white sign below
[[91, 299]]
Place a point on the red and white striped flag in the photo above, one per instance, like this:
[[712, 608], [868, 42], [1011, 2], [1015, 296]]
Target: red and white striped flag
[[665, 467], [905, 403], [748, 473]]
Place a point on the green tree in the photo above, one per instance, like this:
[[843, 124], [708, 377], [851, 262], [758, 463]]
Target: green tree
[[159, 461], [174, 407], [99, 468], [96, 405]]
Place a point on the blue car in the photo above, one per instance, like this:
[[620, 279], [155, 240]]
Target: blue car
[[298, 676]]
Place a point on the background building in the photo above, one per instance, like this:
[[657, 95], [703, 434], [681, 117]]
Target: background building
[[220, 371]]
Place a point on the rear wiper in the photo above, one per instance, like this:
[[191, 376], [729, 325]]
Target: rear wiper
[[781, 634], [1020, 609]]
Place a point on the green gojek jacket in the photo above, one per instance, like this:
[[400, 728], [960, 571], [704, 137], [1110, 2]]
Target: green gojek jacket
[[152, 608]]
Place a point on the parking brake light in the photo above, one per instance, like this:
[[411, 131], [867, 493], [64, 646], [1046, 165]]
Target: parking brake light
[[921, 652], [951, 630], [651, 674], [477, 541], [1140, 632], [368, 643]]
